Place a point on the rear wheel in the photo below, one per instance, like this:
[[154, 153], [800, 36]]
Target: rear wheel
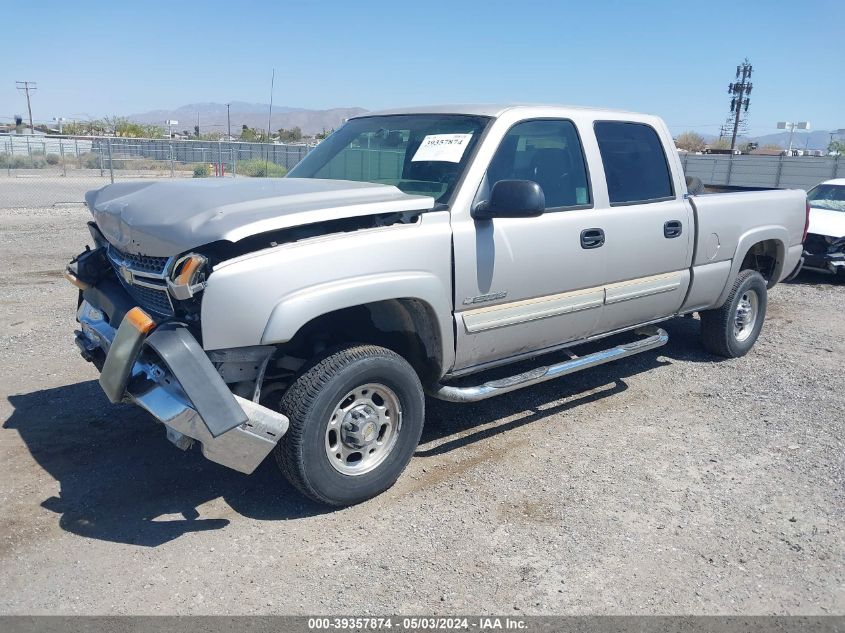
[[356, 416], [732, 329]]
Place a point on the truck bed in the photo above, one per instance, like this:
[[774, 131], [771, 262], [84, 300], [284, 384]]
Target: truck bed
[[729, 224]]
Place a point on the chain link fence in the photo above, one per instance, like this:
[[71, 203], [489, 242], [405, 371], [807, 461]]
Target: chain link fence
[[43, 171]]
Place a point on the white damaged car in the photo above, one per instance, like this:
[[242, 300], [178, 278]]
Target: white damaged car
[[824, 248]]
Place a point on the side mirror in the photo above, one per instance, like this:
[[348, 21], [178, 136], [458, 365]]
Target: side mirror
[[512, 199]]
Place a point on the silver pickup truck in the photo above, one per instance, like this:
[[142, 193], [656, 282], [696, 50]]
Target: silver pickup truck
[[408, 253]]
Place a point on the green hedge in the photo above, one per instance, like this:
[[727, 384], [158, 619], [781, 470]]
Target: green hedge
[[260, 168]]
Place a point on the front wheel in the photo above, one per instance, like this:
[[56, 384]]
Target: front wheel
[[732, 330], [356, 417]]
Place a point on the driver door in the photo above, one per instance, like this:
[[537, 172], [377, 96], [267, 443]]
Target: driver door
[[525, 284]]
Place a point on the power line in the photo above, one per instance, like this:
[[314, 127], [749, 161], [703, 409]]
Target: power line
[[26, 86]]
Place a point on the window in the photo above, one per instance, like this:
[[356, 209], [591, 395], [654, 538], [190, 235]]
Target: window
[[549, 153], [828, 197], [634, 162], [421, 154]]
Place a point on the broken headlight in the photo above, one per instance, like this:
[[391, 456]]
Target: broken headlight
[[188, 275]]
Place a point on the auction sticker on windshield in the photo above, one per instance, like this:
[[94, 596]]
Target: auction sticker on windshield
[[448, 148]]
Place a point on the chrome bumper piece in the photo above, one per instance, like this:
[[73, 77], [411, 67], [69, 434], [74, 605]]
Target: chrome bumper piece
[[242, 448]]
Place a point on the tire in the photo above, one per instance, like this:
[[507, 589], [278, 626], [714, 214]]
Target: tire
[[381, 423], [720, 331]]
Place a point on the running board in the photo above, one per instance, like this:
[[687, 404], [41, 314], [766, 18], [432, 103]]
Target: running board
[[655, 337]]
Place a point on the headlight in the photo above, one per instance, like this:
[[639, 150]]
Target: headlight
[[188, 276]]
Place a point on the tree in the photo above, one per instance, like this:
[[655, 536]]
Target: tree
[[253, 135], [197, 131], [77, 128], [292, 135], [121, 126], [720, 143], [836, 147], [690, 141]]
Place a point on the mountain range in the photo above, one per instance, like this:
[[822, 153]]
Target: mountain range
[[211, 117], [818, 139]]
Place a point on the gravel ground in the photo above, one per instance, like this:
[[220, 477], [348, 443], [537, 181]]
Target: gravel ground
[[670, 482]]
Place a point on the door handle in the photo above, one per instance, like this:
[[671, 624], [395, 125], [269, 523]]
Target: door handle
[[592, 238], [672, 228]]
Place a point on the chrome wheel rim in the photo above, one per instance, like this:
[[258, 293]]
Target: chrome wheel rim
[[363, 428], [745, 316]]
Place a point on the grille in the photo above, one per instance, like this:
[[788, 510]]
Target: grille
[[146, 270], [142, 263], [157, 301]]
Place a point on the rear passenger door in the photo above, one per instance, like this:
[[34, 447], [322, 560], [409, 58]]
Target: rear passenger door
[[648, 227]]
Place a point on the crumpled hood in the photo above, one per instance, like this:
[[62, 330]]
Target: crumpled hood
[[167, 217]]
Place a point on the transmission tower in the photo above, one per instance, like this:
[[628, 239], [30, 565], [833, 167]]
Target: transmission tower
[[737, 121]]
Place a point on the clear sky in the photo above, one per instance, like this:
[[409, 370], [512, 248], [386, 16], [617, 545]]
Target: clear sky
[[671, 58]]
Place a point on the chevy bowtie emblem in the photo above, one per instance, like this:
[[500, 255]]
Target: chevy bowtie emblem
[[126, 274]]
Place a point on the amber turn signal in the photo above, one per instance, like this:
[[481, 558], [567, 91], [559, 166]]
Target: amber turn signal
[[140, 320]]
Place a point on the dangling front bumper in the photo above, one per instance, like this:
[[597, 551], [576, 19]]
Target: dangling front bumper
[[162, 369]]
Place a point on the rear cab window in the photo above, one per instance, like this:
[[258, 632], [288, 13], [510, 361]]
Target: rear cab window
[[635, 163]]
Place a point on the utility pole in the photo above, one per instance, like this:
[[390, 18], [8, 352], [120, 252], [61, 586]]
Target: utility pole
[[739, 91], [228, 123], [26, 86]]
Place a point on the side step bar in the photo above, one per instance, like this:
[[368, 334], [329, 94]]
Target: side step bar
[[655, 337]]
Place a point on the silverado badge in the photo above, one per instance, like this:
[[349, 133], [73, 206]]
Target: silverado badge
[[484, 298]]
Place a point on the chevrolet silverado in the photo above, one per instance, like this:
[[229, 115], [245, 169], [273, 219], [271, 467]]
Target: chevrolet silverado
[[410, 252]]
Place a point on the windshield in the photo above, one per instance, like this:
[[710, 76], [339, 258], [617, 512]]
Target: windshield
[[830, 197], [422, 154]]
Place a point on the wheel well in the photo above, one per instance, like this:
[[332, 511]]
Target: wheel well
[[406, 326], [765, 257]]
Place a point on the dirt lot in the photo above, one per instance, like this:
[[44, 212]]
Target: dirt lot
[[669, 482]]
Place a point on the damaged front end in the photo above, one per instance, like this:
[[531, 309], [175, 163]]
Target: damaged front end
[[153, 359], [824, 254]]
